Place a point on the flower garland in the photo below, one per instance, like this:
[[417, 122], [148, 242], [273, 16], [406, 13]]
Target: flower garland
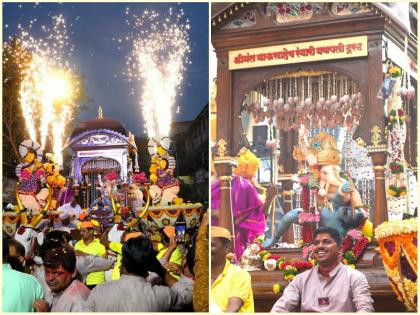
[[396, 228], [397, 191], [396, 129], [309, 218], [111, 176], [353, 245], [275, 262], [292, 268], [398, 248], [140, 178]]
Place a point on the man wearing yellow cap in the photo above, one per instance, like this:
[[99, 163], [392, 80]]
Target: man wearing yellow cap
[[90, 245], [231, 289]]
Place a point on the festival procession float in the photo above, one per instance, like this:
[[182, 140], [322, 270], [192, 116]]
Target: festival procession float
[[103, 174], [325, 96]]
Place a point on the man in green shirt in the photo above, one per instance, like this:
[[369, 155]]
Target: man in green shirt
[[15, 283]]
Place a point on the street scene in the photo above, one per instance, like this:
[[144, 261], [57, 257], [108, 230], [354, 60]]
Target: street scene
[[105, 157]]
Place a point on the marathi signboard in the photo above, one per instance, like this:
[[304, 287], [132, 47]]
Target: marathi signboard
[[96, 153], [338, 48]]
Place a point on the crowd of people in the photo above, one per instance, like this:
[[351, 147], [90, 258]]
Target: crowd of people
[[148, 271]]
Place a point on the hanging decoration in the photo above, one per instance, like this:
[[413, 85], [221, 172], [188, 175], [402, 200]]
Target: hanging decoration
[[396, 128], [312, 99]]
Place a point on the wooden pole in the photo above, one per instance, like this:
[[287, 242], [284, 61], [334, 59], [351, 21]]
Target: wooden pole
[[224, 171]]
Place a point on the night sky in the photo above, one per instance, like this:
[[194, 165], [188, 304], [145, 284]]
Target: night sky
[[93, 28]]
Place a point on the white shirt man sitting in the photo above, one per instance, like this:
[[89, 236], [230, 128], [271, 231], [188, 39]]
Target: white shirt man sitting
[[70, 211]]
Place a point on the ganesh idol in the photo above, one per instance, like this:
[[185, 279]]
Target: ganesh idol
[[339, 203]]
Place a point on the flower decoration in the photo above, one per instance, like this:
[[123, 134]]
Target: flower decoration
[[394, 71], [259, 239], [39, 173], [304, 179], [264, 255], [398, 248], [313, 182], [140, 178], [291, 268], [21, 230], [395, 116], [111, 176], [308, 217], [308, 221], [396, 228], [397, 191], [396, 167], [277, 288], [353, 245], [24, 174], [307, 251]]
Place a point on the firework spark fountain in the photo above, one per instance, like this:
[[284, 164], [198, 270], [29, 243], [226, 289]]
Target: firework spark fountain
[[158, 61], [45, 92]]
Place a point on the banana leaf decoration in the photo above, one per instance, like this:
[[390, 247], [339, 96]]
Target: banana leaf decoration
[[135, 221]]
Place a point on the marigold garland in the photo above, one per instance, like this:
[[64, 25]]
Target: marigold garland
[[398, 248]]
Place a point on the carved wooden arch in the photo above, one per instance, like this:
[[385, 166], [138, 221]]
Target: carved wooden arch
[[243, 81]]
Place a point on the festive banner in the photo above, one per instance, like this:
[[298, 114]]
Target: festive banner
[[338, 48]]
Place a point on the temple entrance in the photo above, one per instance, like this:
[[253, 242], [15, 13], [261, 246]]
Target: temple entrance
[[93, 172], [311, 102]]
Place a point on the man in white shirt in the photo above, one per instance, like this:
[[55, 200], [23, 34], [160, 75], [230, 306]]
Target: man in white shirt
[[328, 287], [70, 211]]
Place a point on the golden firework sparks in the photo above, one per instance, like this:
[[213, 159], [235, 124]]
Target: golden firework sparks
[[46, 91], [158, 61]]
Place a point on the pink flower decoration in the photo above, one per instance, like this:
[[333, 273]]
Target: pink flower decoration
[[24, 175], [304, 180], [356, 234], [39, 173], [140, 178], [307, 250], [111, 176], [308, 217]]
